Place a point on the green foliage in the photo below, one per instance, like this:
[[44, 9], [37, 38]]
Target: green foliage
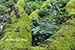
[[37, 48], [30, 6], [54, 11], [47, 16], [20, 3], [70, 7], [64, 38], [46, 3], [6, 2], [17, 34], [2, 9], [50, 17], [21, 38]]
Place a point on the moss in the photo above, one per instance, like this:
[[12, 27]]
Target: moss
[[21, 39], [34, 14], [13, 39], [64, 38], [20, 3], [10, 34], [37, 48], [70, 7]]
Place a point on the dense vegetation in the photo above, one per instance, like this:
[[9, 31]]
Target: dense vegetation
[[37, 25], [50, 18]]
